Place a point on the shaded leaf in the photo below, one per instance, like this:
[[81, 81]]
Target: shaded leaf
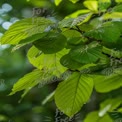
[[71, 33], [104, 4], [32, 38], [117, 8], [108, 32], [48, 98], [86, 54], [51, 43], [67, 61]]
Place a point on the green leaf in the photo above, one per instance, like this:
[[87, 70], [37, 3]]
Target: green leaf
[[118, 1], [81, 19], [72, 93], [115, 46], [109, 82], [91, 5], [86, 54], [48, 98], [51, 43], [85, 27], [3, 118], [117, 8], [96, 23], [24, 29], [24, 94], [67, 61], [119, 24], [17, 47], [35, 57], [104, 4], [28, 81], [77, 13], [57, 2], [119, 110], [66, 23], [74, 1], [74, 37], [86, 68], [114, 15], [71, 33], [108, 32], [32, 38], [112, 52], [109, 105], [95, 117], [50, 62], [116, 116], [76, 40]]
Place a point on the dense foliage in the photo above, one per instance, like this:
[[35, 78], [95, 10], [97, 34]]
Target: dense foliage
[[82, 52]]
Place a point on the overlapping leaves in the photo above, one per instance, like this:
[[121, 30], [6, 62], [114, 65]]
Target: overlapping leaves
[[108, 32], [83, 33], [48, 62], [51, 43], [110, 81]]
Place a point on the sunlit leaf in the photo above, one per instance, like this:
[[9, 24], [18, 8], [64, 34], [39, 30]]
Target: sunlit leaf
[[77, 13], [91, 5], [57, 2], [72, 93], [74, 1], [118, 1], [114, 15], [28, 81], [50, 62], [24, 29]]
